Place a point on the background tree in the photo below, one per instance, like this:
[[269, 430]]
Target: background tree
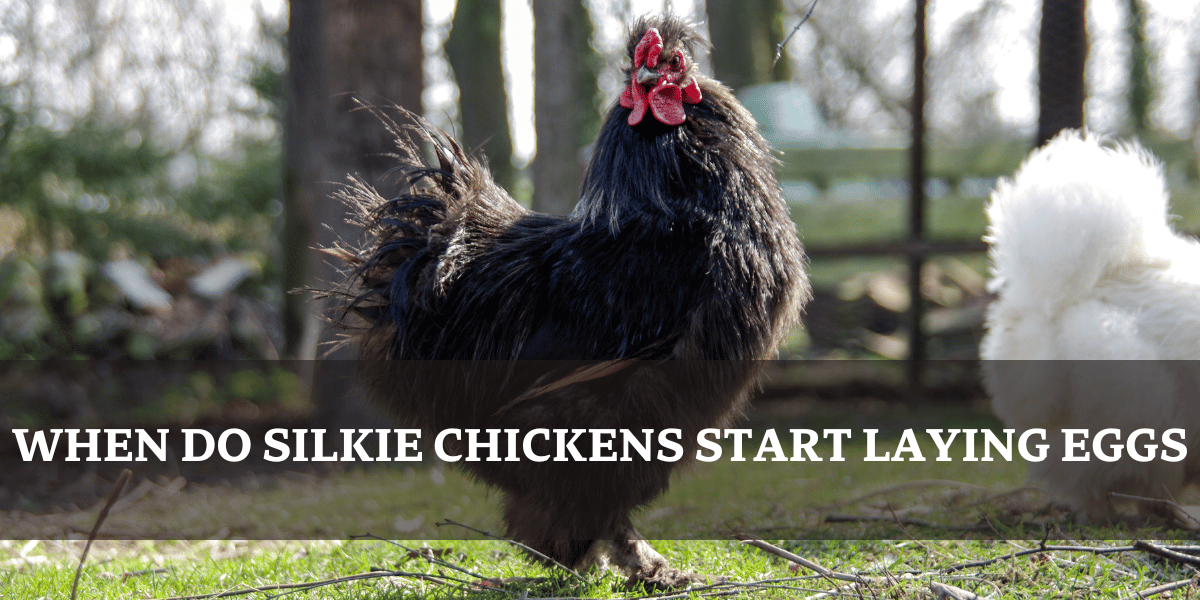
[[344, 51], [1062, 55], [1141, 62], [340, 51], [305, 122], [474, 51], [847, 58], [744, 35], [565, 105]]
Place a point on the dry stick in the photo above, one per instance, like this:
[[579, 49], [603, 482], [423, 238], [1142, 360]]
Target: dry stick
[[850, 518], [519, 545], [1177, 507], [904, 486], [1158, 589], [129, 574], [982, 580], [1038, 550], [1001, 496], [780, 45], [904, 528], [308, 584], [112, 499], [800, 560], [1116, 567], [942, 591], [433, 560], [1152, 548], [837, 591]]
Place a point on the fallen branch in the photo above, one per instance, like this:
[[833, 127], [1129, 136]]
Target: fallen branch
[[1178, 510], [904, 486], [1159, 589], [433, 560], [1039, 550], [316, 584], [942, 591], [804, 562], [1165, 552]]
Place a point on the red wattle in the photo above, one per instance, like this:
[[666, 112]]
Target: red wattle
[[635, 95], [666, 101], [627, 96], [691, 92]]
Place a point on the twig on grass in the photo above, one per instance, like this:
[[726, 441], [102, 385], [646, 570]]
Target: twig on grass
[[112, 499], [904, 486], [1039, 550], [903, 528], [301, 586], [1001, 496], [1165, 552], [1159, 589], [1170, 503], [519, 545], [140, 573], [432, 560], [800, 560], [942, 591]]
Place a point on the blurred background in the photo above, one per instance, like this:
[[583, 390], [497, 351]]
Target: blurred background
[[166, 165]]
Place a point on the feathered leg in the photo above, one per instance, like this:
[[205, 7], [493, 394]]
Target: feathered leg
[[611, 541]]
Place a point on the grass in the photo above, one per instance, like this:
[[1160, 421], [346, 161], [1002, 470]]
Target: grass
[[900, 569]]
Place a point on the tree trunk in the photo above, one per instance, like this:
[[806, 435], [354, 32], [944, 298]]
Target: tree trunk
[[1062, 55], [1141, 89], [304, 137], [566, 118], [371, 51], [744, 36], [474, 51], [375, 55]]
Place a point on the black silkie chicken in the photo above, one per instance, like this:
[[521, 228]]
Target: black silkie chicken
[[681, 247]]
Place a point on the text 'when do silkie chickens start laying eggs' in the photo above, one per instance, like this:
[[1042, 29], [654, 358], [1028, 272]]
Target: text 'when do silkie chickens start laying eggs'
[[602, 445]]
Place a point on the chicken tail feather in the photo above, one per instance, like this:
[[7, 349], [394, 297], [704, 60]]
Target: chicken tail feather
[[400, 264], [1075, 211]]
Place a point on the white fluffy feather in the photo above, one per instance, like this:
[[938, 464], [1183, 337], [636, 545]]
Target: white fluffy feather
[[1088, 269]]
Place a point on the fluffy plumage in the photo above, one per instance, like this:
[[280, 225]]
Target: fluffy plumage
[[681, 247], [1089, 273]]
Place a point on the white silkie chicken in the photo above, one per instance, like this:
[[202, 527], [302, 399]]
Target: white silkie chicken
[[1092, 277]]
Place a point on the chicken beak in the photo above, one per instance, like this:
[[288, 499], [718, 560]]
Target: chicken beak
[[645, 75]]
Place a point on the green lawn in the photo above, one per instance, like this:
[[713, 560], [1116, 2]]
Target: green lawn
[[901, 568]]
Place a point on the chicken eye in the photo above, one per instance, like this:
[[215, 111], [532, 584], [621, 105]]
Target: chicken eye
[[676, 62]]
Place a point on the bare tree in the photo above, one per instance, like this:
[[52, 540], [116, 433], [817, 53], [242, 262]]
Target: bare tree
[[167, 71], [846, 60], [564, 102], [474, 52]]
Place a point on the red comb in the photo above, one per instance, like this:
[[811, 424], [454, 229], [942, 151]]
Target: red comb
[[648, 49]]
